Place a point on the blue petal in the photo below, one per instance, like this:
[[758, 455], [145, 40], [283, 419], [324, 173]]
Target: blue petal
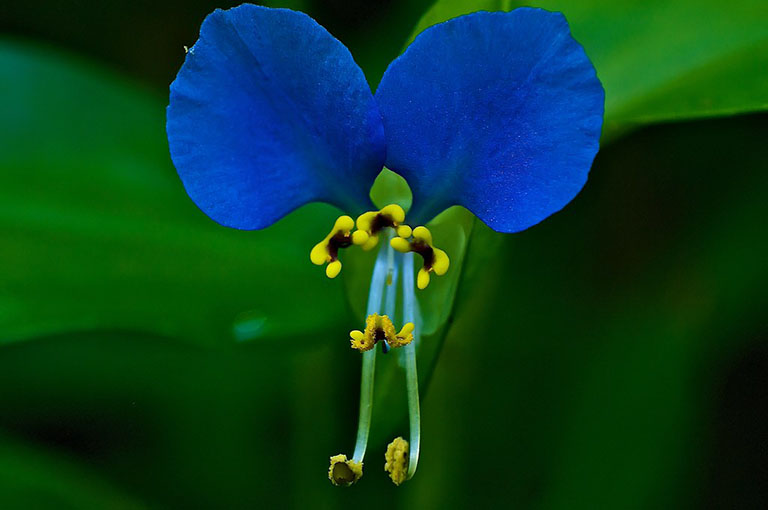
[[269, 112], [499, 112]]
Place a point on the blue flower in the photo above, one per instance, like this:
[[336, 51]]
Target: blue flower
[[498, 112], [270, 112]]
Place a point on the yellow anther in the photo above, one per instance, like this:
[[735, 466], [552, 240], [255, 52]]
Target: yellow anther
[[370, 224], [360, 237], [404, 231], [393, 212], [344, 472], [360, 341], [327, 250], [400, 244], [333, 269], [422, 279], [397, 460], [435, 259], [422, 234], [377, 328], [404, 337], [441, 263]]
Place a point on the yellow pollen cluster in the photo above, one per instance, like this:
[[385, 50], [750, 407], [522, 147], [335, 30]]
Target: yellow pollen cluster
[[435, 259], [397, 460], [380, 327], [344, 472], [327, 250], [370, 224]]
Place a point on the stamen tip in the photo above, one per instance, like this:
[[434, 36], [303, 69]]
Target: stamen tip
[[371, 243], [394, 211], [422, 233], [358, 340], [333, 269], [344, 472], [400, 244], [396, 460], [422, 280], [319, 255], [359, 237], [442, 263], [344, 223], [404, 231]]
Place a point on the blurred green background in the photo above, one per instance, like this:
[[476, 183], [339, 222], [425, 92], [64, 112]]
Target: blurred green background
[[614, 356]]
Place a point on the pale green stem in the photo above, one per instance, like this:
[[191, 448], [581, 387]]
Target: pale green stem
[[411, 376], [390, 299]]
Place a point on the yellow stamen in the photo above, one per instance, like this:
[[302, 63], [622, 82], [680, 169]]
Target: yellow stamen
[[370, 224], [404, 231], [327, 250], [380, 327], [404, 337], [397, 460], [400, 244], [435, 259], [360, 341], [344, 472], [333, 269]]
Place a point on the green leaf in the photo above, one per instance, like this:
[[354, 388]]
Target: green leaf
[[98, 232], [660, 60]]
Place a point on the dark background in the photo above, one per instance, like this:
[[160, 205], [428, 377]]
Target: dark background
[[615, 356], [145, 39]]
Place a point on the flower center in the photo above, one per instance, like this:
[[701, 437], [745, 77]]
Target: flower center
[[370, 226]]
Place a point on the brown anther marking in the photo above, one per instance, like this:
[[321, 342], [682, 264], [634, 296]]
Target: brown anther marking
[[338, 241], [426, 252], [379, 222]]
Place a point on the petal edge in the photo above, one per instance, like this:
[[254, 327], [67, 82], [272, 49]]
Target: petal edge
[[499, 112], [269, 112]]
